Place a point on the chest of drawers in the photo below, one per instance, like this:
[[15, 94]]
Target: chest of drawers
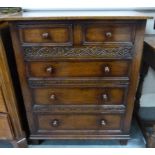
[[78, 76]]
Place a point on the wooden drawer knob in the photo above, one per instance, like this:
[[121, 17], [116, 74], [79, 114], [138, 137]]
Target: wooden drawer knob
[[108, 34], [49, 69], [53, 97], [103, 122], [106, 69], [55, 123], [45, 35], [105, 97]]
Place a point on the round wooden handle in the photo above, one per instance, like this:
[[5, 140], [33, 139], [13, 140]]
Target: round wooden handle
[[103, 122], [49, 69], [108, 34], [45, 35], [105, 97], [55, 123], [106, 69], [52, 97]]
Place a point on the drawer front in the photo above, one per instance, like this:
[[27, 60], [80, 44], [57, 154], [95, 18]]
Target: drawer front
[[52, 34], [106, 33], [79, 69], [87, 32], [79, 96], [2, 101], [78, 122], [5, 127]]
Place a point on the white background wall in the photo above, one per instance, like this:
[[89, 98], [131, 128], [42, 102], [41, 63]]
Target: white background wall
[[87, 5], [79, 4]]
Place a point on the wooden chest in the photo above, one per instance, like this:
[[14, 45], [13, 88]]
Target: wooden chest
[[10, 124], [78, 76]]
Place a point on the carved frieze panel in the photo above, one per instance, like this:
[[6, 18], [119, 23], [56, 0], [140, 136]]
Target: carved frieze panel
[[80, 109], [34, 83], [33, 53]]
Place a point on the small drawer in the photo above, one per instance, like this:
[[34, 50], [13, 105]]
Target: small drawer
[[50, 123], [107, 33], [79, 69], [79, 96], [51, 34], [5, 127]]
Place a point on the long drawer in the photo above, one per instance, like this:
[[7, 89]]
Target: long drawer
[[79, 69], [80, 95], [49, 123]]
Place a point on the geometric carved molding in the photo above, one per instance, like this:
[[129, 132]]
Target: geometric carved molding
[[99, 109], [34, 53], [95, 82]]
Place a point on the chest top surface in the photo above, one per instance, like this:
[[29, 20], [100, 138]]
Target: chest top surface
[[72, 15]]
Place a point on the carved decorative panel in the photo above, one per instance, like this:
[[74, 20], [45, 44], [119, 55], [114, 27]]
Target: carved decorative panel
[[80, 109], [77, 82], [31, 53]]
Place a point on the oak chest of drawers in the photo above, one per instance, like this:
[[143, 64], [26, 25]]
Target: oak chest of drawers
[[78, 76]]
